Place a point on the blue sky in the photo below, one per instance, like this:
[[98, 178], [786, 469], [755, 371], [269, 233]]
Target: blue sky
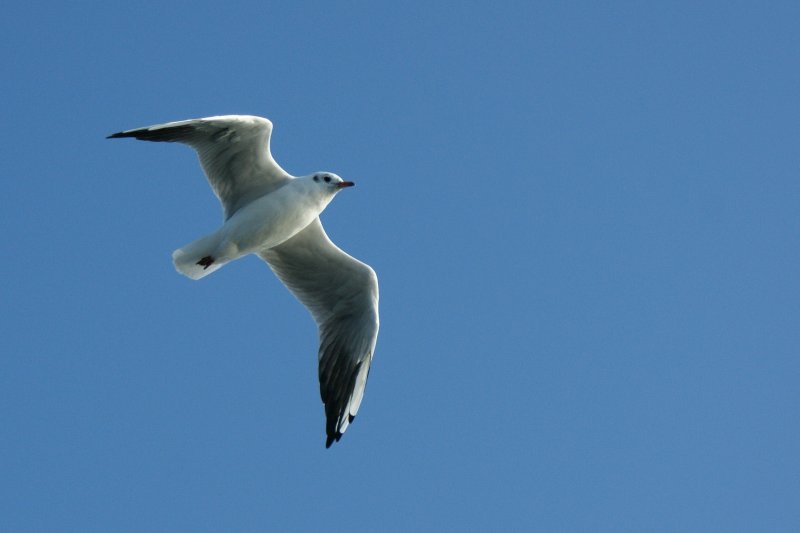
[[584, 218]]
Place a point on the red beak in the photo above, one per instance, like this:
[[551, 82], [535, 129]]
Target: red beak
[[344, 184]]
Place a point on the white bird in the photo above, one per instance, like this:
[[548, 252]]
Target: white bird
[[275, 215]]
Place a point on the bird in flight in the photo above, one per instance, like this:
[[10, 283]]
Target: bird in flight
[[276, 216]]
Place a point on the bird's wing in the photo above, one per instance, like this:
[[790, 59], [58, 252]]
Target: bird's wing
[[342, 294], [233, 150]]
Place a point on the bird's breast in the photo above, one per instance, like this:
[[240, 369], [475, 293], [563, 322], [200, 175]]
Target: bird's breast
[[269, 221]]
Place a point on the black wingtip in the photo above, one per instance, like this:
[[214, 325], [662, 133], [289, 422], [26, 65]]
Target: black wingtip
[[157, 133], [332, 438]]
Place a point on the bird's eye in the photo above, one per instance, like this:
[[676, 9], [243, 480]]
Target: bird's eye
[[327, 179]]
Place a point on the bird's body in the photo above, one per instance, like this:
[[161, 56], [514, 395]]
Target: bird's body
[[260, 225], [272, 214]]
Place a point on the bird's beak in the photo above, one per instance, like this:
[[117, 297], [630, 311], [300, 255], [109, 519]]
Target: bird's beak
[[344, 184]]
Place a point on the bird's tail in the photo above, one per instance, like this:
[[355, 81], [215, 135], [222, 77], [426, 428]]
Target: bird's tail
[[196, 260]]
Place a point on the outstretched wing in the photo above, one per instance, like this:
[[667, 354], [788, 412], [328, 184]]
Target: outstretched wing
[[233, 150], [342, 294]]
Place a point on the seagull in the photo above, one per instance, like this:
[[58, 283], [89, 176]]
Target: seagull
[[276, 216]]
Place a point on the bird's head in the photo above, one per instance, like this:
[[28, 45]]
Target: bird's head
[[329, 182]]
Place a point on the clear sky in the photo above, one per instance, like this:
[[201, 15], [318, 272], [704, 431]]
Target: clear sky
[[584, 218]]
